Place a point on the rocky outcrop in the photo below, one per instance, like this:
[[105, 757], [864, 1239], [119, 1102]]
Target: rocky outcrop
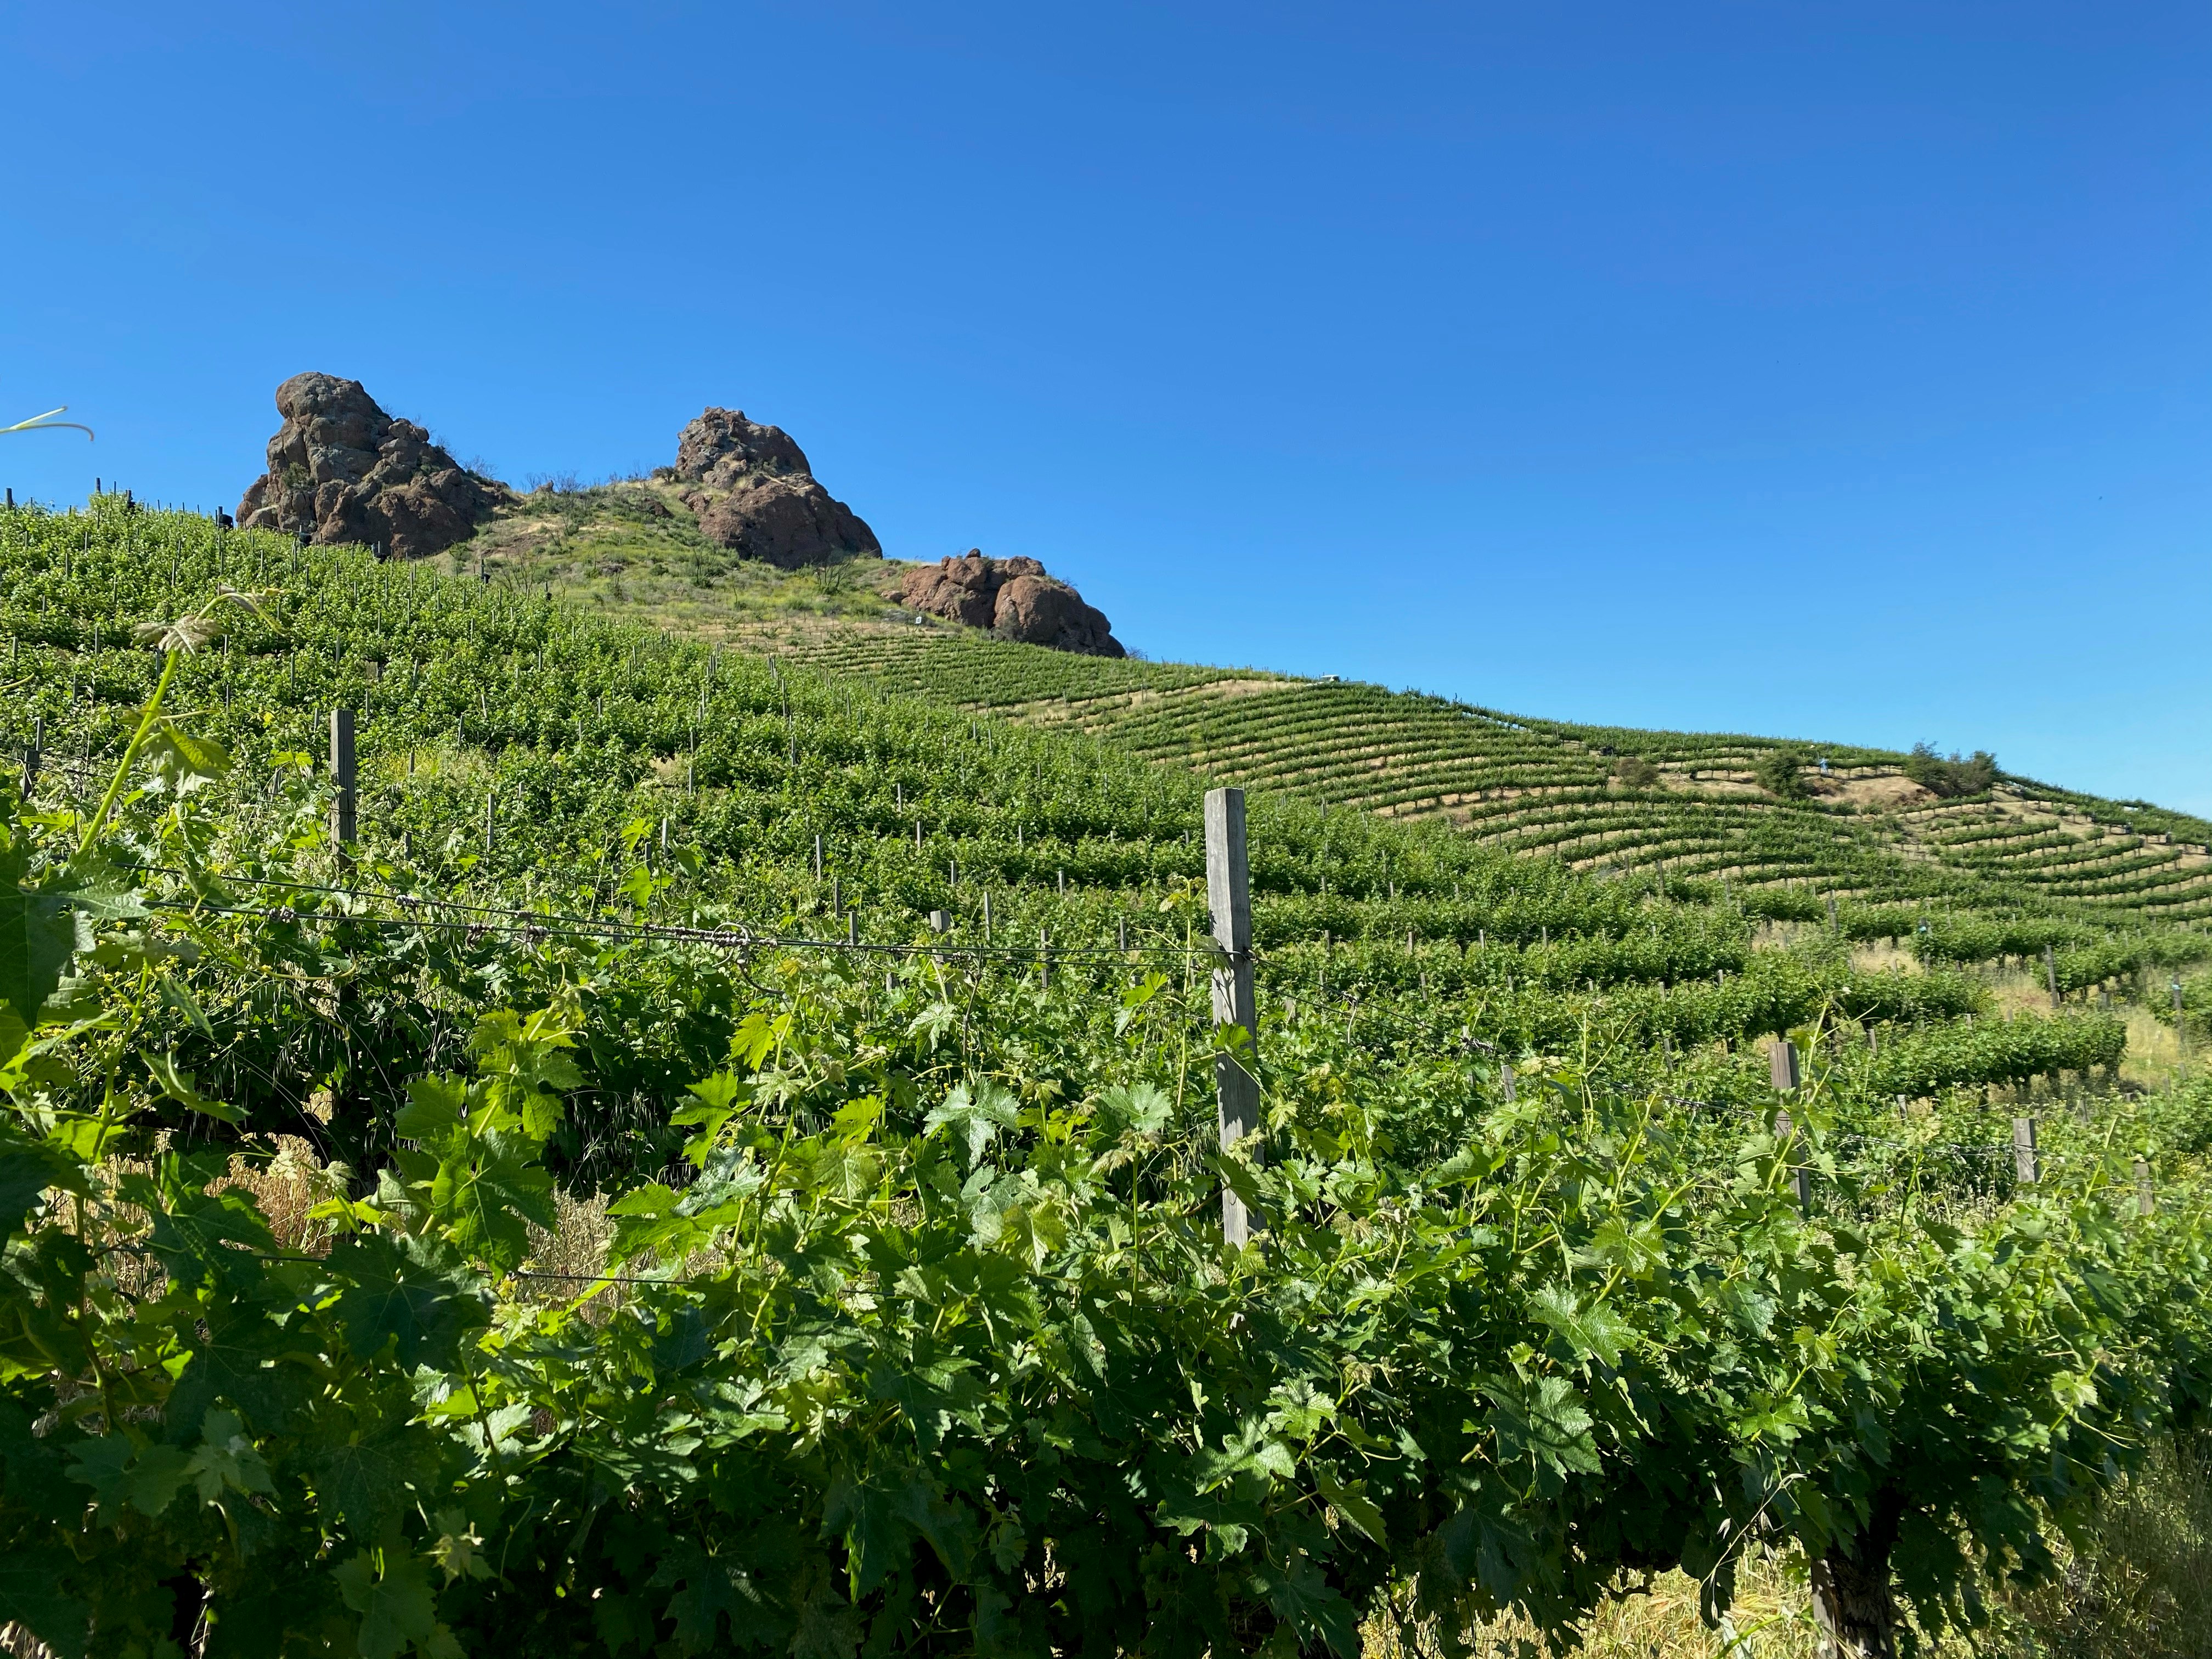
[[755, 494], [340, 470], [1013, 595]]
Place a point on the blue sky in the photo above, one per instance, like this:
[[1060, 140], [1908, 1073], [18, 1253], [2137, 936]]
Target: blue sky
[[1839, 371]]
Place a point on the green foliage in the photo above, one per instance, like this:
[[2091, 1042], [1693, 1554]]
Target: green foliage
[[1781, 773], [936, 1348], [1953, 777], [915, 1331]]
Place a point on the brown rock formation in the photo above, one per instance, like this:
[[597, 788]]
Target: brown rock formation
[[755, 494], [1013, 595], [341, 469]]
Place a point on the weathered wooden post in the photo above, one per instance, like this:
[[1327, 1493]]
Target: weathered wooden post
[[1229, 896], [2024, 1166], [343, 825], [1781, 1065], [1782, 1070], [2145, 1201], [2050, 971]]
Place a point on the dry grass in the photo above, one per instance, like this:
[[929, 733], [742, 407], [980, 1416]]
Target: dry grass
[[1770, 1619], [2140, 1589], [285, 1188]]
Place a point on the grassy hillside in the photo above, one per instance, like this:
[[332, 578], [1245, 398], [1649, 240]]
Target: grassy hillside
[[1520, 1143], [1599, 798]]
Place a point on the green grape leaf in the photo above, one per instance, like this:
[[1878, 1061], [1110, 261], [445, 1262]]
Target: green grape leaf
[[182, 760], [191, 1237], [40, 932], [405, 1294], [1313, 1606], [1593, 1331], [32, 1574], [364, 1485], [395, 1607], [524, 1060], [486, 1191], [711, 1588], [120, 1471], [247, 1359], [975, 1115], [868, 1512], [433, 1111], [226, 1460], [1545, 1425], [28, 1169]]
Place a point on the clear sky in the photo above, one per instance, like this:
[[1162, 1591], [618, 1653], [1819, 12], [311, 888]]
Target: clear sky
[[1842, 371]]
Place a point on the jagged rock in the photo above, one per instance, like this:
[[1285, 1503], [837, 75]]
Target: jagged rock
[[341, 469], [1013, 595], [964, 590], [755, 494]]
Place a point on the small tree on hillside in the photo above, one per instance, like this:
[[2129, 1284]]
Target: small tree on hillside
[[1781, 773], [1953, 777]]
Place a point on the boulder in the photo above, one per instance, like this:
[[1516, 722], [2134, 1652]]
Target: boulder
[[340, 470], [1014, 597], [754, 493], [1045, 612]]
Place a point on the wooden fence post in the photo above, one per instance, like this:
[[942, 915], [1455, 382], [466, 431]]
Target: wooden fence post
[[1506, 1084], [1781, 1065], [2024, 1166], [1801, 1177], [2144, 1201], [1782, 1070], [1229, 896], [2050, 971], [342, 770]]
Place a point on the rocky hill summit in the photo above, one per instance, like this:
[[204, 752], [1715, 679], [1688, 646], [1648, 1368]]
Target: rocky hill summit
[[1013, 597], [341, 469], [754, 493]]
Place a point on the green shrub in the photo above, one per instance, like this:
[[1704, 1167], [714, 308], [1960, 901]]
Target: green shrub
[[1781, 773], [1953, 777]]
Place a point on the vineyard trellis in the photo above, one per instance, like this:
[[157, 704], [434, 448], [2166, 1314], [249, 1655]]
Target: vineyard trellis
[[914, 1329]]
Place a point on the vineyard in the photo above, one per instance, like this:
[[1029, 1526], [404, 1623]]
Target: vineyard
[[1599, 798], [634, 1146]]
